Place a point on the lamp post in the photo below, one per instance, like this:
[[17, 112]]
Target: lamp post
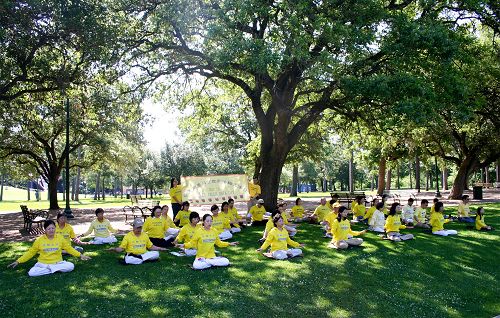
[[438, 194], [67, 210]]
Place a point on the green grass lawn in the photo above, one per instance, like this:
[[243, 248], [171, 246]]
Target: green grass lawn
[[427, 277], [14, 197]]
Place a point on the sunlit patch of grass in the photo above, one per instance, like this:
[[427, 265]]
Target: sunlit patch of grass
[[427, 277]]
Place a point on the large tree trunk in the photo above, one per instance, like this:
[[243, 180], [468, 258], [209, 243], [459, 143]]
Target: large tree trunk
[[389, 179], [295, 180], [417, 173], [272, 165], [381, 176], [445, 178], [121, 187], [467, 166], [52, 180]]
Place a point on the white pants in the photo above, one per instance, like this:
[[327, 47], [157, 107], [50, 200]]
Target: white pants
[[172, 231], [151, 255], [235, 230], [190, 251], [282, 254], [378, 229], [203, 263], [445, 232], [291, 230], [225, 235], [104, 240], [346, 243], [43, 269], [396, 236]]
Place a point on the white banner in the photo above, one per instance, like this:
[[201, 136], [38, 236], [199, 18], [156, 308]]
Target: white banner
[[215, 189]]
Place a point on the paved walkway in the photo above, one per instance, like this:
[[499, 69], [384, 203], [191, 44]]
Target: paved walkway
[[11, 223]]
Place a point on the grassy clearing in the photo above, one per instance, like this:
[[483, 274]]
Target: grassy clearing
[[428, 277], [15, 197]]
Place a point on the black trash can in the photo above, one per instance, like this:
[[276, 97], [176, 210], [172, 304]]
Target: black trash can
[[477, 193], [128, 196]]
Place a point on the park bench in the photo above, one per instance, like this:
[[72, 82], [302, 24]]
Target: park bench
[[147, 203], [33, 220], [134, 198], [348, 197], [484, 184], [134, 212]]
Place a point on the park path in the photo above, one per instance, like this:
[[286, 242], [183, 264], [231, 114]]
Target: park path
[[12, 222]]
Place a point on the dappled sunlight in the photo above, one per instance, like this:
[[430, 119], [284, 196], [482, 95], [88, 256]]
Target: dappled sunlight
[[426, 277]]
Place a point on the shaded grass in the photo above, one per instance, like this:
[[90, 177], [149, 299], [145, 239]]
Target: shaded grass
[[428, 277]]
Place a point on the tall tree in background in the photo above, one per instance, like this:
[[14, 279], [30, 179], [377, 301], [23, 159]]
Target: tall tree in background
[[290, 58]]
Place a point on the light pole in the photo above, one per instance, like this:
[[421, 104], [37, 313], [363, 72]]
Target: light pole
[[67, 210], [438, 194]]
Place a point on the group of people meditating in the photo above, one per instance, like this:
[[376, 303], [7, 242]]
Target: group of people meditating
[[198, 237]]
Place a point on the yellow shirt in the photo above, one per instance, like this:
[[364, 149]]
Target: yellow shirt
[[420, 214], [432, 210], [369, 213], [101, 229], [359, 210], [67, 232], [183, 217], [136, 245], [220, 223], [321, 211], [234, 216], [298, 211], [341, 230], [393, 224], [50, 250], [170, 222], [437, 221], [463, 210], [257, 213], [331, 217], [269, 226], [155, 227], [186, 233], [480, 222], [203, 241], [253, 189], [176, 194], [278, 240]]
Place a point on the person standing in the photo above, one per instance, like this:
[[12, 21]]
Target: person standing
[[255, 191], [175, 195]]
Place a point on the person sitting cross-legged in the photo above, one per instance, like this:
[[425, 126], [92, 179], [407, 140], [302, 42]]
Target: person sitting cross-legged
[[342, 235], [50, 247], [203, 241], [393, 225], [437, 221], [102, 229], [136, 245], [279, 240]]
